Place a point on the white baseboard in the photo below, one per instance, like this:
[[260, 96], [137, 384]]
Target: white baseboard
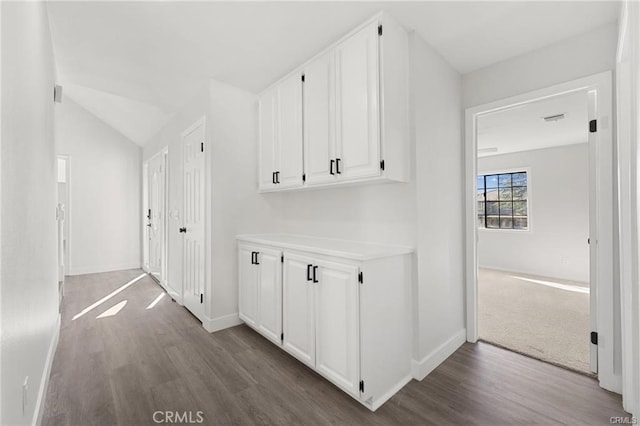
[[420, 369], [374, 405], [220, 323], [44, 380], [82, 270], [612, 383]]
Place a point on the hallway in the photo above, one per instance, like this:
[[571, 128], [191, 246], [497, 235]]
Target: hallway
[[122, 368]]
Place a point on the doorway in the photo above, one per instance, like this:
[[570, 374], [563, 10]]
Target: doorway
[[533, 230], [155, 182], [597, 89]]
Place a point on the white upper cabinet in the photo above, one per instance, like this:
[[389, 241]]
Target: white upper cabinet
[[281, 136], [348, 107], [358, 125]]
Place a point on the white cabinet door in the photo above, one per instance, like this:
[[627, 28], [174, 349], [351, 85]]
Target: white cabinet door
[[319, 120], [358, 118], [268, 139], [270, 294], [248, 285], [289, 147], [337, 325], [298, 308]]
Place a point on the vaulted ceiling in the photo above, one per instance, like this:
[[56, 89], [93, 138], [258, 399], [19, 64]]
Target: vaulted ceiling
[[133, 64]]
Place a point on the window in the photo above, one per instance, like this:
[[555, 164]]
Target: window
[[502, 201]]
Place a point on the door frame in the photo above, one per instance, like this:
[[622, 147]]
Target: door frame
[[165, 208], [600, 194]]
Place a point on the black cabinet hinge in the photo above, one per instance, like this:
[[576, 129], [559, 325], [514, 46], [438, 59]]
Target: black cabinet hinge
[[381, 164], [201, 146], [361, 385], [201, 298], [282, 258], [594, 337], [303, 78], [304, 177], [379, 30], [593, 126], [360, 279], [282, 337]]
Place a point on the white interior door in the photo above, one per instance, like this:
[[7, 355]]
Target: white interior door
[[193, 143], [337, 325], [298, 318], [593, 233], [358, 118], [319, 120], [156, 215], [270, 294], [289, 145], [248, 283]]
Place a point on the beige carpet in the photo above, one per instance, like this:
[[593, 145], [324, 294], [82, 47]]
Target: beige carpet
[[529, 314]]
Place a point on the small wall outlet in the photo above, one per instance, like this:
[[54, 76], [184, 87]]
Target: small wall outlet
[[25, 395]]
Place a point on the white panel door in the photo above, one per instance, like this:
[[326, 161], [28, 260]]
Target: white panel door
[[358, 118], [298, 308], [270, 294], [269, 125], [155, 215], [319, 120], [248, 285], [289, 146], [193, 228], [337, 325]]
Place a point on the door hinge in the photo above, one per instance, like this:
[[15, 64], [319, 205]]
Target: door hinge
[[303, 78], [360, 279], [282, 258], [588, 240], [201, 146], [361, 385], [282, 337], [201, 298], [304, 177], [381, 164], [593, 126], [379, 30], [594, 337]]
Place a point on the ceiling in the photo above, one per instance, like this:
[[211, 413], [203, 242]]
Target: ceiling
[[523, 128], [152, 57]]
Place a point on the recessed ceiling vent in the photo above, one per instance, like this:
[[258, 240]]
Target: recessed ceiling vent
[[556, 117]]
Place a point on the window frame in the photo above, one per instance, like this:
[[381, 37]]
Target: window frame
[[527, 170]]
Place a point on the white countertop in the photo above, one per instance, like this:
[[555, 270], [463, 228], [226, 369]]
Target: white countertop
[[355, 250]]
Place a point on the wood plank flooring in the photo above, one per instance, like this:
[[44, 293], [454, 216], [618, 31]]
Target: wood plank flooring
[[121, 369]]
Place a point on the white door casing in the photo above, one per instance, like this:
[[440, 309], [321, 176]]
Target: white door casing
[[155, 215], [193, 143], [298, 308]]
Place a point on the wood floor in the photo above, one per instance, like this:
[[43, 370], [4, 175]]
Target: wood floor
[[122, 368]]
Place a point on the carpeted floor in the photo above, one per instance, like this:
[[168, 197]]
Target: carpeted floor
[[545, 318]]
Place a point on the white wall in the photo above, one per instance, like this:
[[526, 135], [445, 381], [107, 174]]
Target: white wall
[[437, 106], [556, 243], [29, 285], [580, 56], [105, 192]]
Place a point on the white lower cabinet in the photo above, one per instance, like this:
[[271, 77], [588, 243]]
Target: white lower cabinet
[[344, 314]]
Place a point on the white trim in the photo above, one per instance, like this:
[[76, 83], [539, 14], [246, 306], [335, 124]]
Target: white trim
[[603, 253], [420, 369], [82, 270], [46, 373], [373, 405], [216, 324]]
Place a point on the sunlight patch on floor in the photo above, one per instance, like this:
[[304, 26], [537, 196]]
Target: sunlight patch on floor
[[566, 287], [109, 296], [156, 300], [112, 310]]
